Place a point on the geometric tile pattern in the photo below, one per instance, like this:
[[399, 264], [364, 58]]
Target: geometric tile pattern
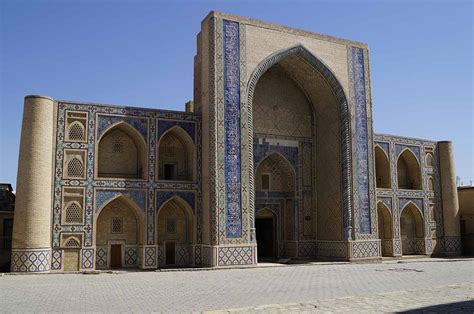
[[365, 249], [87, 259], [101, 257], [452, 244], [56, 259], [131, 256], [31, 260], [235, 256], [150, 257]]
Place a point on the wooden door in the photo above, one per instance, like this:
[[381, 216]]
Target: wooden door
[[116, 256]]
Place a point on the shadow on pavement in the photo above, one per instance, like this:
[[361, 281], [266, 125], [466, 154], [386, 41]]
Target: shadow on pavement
[[455, 307]]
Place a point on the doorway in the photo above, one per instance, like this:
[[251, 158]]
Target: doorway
[[116, 256], [265, 230], [170, 248]]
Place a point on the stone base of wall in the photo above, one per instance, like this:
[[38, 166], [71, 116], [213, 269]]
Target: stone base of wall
[[365, 249], [31, 260], [452, 246]]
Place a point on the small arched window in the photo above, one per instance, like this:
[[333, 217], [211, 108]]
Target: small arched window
[[430, 183], [76, 132], [75, 168], [72, 242], [429, 160], [73, 213]]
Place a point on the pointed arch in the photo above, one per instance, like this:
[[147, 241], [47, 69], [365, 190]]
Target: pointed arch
[[280, 174], [129, 206], [408, 171], [176, 202], [382, 168], [412, 229], [72, 242], [74, 213], [75, 168], [122, 153], [176, 155], [429, 159], [76, 131], [342, 179]]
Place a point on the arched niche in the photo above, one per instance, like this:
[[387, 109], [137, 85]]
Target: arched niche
[[275, 174], [132, 222], [292, 94], [175, 232], [119, 225], [412, 230], [176, 156], [122, 153], [429, 159], [385, 228], [382, 168], [408, 171]]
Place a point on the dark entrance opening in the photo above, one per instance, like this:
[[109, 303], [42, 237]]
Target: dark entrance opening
[[170, 248], [169, 171], [265, 238], [116, 256]]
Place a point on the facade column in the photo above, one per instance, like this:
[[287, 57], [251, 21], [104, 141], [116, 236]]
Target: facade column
[[31, 248], [449, 195]]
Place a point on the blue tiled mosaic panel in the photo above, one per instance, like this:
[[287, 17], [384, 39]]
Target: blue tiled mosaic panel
[[141, 124], [232, 129], [262, 149], [163, 196], [103, 196], [361, 167], [165, 125]]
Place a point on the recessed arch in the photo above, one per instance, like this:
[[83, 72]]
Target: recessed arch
[[408, 171], [429, 159], [412, 229], [126, 203], [122, 153], [281, 175], [385, 228], [382, 168], [305, 68], [176, 155], [175, 231]]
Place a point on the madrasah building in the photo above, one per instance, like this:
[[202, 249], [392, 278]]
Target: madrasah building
[[275, 157]]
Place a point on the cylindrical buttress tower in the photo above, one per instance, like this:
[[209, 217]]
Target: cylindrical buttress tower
[[31, 248], [449, 195]]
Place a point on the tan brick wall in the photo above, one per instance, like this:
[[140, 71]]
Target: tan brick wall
[[32, 224]]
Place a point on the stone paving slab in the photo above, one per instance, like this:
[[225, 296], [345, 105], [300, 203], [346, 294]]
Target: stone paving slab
[[197, 291], [443, 299]]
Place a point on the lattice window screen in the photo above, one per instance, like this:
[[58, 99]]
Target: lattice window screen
[[75, 169], [76, 132], [73, 242], [73, 213], [117, 225]]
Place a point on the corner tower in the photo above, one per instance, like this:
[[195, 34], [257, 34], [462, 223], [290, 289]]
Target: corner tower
[[31, 248]]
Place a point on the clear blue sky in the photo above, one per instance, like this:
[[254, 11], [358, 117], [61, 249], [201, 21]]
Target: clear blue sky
[[140, 53]]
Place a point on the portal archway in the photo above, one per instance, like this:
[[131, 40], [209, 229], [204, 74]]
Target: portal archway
[[174, 232], [119, 231], [122, 153], [411, 230], [385, 229], [318, 114]]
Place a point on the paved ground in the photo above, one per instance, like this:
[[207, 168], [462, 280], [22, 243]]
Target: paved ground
[[448, 285]]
